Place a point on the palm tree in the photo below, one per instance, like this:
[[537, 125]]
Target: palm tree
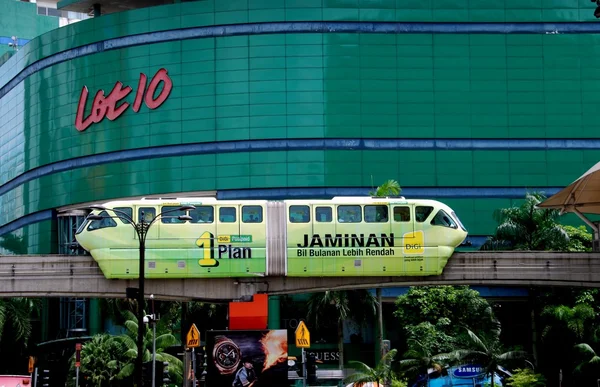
[[388, 188], [419, 359], [590, 359], [344, 305], [528, 228], [382, 375], [575, 319], [488, 351], [16, 313], [102, 362], [164, 340]]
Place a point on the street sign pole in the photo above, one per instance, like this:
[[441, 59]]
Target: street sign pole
[[77, 363], [194, 367], [303, 368]]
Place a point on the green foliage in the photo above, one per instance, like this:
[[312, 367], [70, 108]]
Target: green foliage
[[576, 321], [399, 383], [526, 378], [579, 238], [388, 188], [381, 374], [528, 228], [428, 314], [103, 362]]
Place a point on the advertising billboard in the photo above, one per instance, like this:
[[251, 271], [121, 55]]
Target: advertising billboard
[[235, 358]]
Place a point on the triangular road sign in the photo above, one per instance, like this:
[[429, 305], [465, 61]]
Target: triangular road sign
[[193, 337]]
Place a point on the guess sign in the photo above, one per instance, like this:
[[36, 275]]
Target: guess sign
[[108, 106]]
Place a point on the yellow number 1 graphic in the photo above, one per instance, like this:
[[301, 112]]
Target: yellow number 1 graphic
[[207, 243]]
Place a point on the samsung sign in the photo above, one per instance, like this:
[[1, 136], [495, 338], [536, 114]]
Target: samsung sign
[[468, 371]]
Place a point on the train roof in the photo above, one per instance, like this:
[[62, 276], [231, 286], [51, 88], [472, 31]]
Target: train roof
[[212, 200]]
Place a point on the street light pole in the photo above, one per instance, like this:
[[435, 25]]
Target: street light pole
[[141, 229]]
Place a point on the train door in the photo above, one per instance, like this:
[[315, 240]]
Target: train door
[[378, 240], [204, 229], [250, 252], [403, 225], [299, 236], [349, 224]]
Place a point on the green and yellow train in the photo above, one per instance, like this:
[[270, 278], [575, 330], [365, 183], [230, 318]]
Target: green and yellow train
[[344, 236]]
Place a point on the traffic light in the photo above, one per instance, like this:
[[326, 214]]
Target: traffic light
[[45, 378], [311, 368], [147, 373], [166, 378]]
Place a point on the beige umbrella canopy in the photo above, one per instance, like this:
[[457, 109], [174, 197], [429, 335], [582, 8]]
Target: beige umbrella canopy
[[581, 196]]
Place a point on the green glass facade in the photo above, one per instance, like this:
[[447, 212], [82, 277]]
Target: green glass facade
[[473, 119]]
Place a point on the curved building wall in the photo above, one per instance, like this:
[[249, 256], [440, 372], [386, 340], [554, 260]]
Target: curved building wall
[[471, 102]]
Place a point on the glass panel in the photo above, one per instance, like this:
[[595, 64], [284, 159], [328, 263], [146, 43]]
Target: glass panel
[[171, 217], [252, 214], [349, 214], [227, 215], [107, 221], [127, 210], [148, 214], [422, 212], [376, 214], [401, 214], [203, 214], [443, 219], [324, 214], [299, 214], [458, 220]]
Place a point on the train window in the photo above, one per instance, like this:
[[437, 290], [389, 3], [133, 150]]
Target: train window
[[401, 214], [203, 214], [443, 219], [171, 216], [299, 214], [422, 212], [123, 218], [107, 221], [458, 221], [376, 214], [227, 215], [146, 213], [349, 214], [252, 214], [323, 214]]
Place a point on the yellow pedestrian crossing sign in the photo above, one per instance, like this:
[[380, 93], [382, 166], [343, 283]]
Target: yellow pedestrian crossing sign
[[302, 336], [193, 337]]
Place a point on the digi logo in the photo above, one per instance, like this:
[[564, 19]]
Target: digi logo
[[414, 243]]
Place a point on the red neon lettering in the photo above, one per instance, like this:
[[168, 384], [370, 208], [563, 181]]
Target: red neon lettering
[[140, 93], [161, 75], [108, 106]]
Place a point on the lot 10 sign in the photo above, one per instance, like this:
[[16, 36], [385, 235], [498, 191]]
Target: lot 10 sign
[[106, 106]]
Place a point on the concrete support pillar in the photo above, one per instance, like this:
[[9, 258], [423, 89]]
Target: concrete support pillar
[[274, 319], [97, 10], [95, 322]]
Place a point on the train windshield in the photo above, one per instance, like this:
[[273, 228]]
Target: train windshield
[[82, 226], [458, 221], [443, 219], [106, 221]]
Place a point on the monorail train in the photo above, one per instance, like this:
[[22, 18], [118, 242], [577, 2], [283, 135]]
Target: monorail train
[[344, 236]]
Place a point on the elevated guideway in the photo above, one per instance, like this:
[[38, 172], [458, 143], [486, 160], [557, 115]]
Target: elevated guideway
[[79, 276]]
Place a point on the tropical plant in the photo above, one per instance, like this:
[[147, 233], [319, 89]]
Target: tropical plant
[[164, 340], [487, 350], [528, 228], [526, 378], [589, 360], [103, 362], [428, 314], [579, 238], [577, 319], [16, 314], [381, 375], [388, 188], [419, 359], [344, 305]]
